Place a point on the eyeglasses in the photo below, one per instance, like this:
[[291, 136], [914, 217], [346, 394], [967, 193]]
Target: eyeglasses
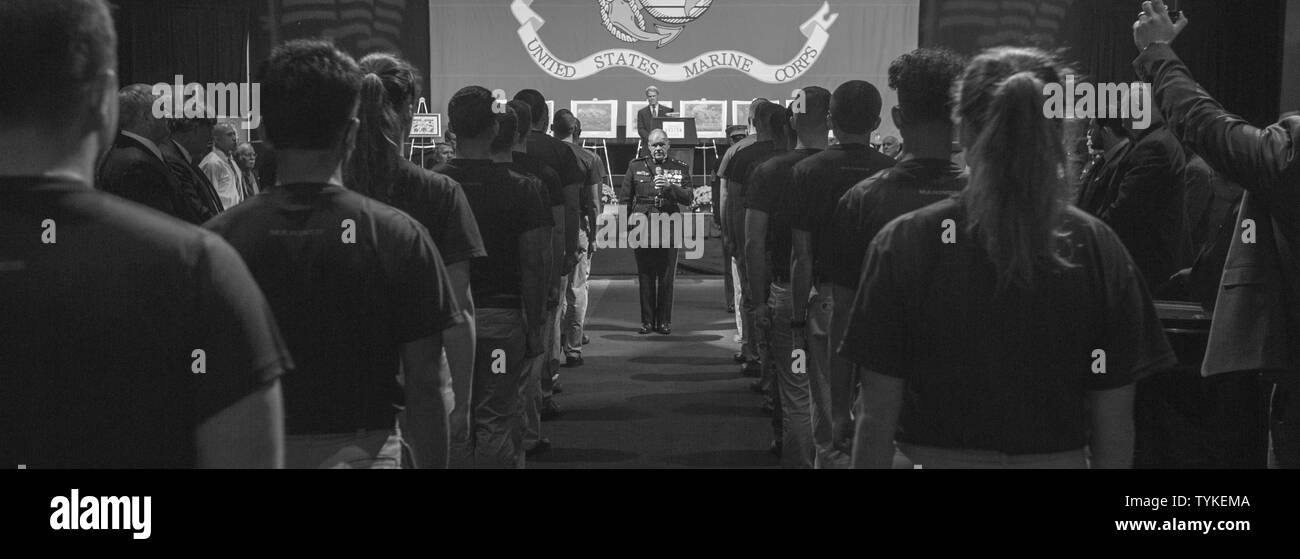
[[658, 145]]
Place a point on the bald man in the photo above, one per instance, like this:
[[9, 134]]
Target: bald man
[[219, 165]]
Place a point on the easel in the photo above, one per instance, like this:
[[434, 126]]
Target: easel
[[704, 158], [603, 150], [422, 140]]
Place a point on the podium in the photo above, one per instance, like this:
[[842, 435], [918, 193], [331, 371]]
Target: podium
[[681, 136]]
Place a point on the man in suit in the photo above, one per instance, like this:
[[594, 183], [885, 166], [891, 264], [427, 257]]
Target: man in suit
[[1139, 193], [645, 117], [220, 166], [1111, 139], [1256, 324], [656, 184], [134, 168], [189, 136]]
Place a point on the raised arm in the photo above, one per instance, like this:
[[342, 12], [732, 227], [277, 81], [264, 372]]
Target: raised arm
[[1253, 157]]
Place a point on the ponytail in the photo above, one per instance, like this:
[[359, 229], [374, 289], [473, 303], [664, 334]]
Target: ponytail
[[1015, 198], [375, 156], [387, 89]]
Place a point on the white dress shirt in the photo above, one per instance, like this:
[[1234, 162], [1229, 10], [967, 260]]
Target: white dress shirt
[[227, 181]]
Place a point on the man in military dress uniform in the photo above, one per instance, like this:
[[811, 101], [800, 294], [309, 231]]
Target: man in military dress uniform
[[656, 184]]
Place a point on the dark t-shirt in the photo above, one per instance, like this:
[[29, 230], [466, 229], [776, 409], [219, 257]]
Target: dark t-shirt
[[438, 203], [529, 164], [819, 183], [350, 279], [873, 203], [99, 330], [745, 161], [769, 192], [506, 206], [556, 153], [1005, 372], [593, 167]]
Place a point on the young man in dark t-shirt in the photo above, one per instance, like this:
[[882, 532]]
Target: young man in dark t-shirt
[[128, 338], [767, 253], [568, 129], [360, 289], [508, 150], [925, 175], [439, 204], [559, 157], [737, 172], [819, 182], [509, 284]]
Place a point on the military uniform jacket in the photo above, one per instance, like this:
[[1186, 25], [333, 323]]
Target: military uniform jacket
[[638, 191]]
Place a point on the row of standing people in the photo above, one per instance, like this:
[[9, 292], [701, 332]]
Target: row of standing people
[[976, 316], [361, 312]]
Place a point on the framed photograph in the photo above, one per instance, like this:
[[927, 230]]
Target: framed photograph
[[710, 117], [629, 120], [426, 126], [740, 112], [599, 118]]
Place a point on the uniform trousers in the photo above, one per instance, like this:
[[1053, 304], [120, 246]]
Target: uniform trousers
[[656, 268]]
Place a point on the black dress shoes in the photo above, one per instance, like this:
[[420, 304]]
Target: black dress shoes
[[645, 329], [665, 329]]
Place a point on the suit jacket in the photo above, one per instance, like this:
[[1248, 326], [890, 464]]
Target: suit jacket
[[645, 123], [1256, 323], [1095, 191], [132, 171], [1140, 195], [198, 190]]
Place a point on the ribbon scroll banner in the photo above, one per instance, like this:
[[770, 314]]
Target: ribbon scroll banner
[[814, 29]]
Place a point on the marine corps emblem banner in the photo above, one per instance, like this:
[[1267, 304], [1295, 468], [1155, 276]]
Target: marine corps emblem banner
[[659, 22]]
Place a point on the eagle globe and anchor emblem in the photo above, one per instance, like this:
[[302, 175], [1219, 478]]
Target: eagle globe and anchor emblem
[[626, 20]]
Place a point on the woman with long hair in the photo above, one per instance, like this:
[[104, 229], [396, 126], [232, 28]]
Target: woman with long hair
[[1002, 328], [377, 169]]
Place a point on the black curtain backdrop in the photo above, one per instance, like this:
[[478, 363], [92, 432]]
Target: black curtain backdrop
[[201, 40], [215, 40], [358, 27], [1233, 48]]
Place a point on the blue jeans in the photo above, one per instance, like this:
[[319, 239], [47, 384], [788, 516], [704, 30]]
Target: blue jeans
[[821, 357], [496, 411], [791, 380]]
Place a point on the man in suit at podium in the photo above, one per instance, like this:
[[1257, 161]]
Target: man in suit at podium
[[645, 117]]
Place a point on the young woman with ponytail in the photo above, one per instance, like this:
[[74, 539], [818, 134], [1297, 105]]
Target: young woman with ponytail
[[1002, 328], [377, 168]]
